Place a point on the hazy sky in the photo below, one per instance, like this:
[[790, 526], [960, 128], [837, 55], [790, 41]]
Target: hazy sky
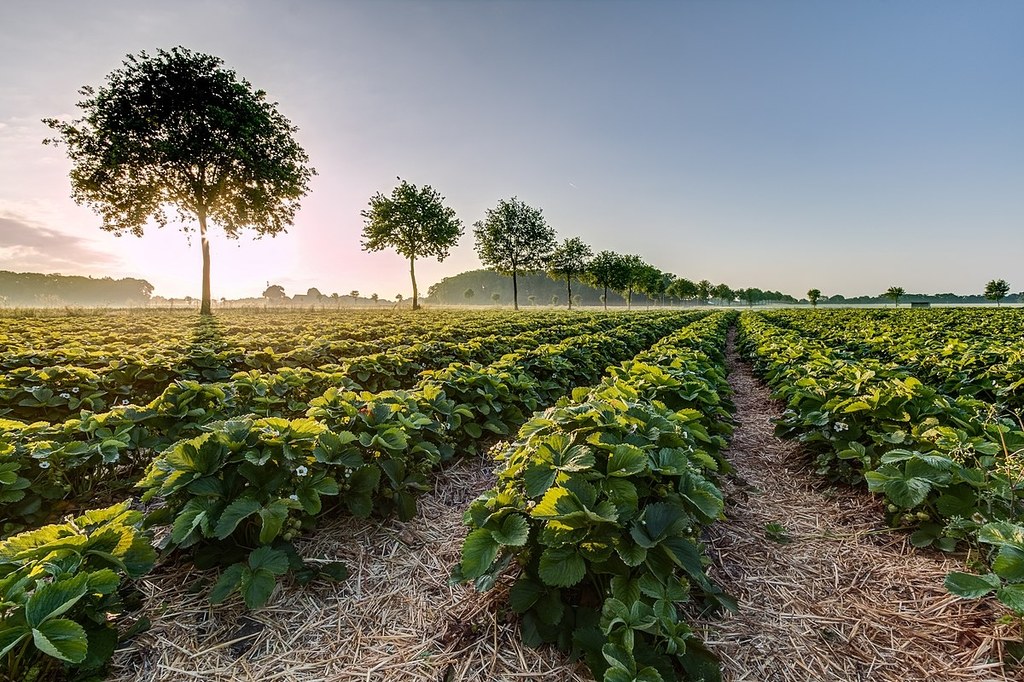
[[847, 146]]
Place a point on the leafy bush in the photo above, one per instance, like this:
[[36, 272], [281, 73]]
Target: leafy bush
[[62, 597]]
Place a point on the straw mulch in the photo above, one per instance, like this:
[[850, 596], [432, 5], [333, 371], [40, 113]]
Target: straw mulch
[[846, 599], [394, 618]]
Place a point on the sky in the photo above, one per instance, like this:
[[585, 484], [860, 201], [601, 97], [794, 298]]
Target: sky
[[785, 145]]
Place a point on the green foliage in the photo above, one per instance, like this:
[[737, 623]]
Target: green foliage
[[895, 293], [601, 501], [414, 222], [813, 295], [568, 260], [947, 464], [61, 598], [607, 270], [178, 129], [996, 290], [514, 238]]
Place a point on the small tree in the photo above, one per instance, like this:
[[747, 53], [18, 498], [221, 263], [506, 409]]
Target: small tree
[[336, 299], [532, 299], [495, 297], [414, 222], [895, 293], [374, 298], [179, 130], [996, 290], [568, 260], [554, 299], [354, 294], [813, 295], [398, 298], [468, 295], [512, 238], [606, 270]]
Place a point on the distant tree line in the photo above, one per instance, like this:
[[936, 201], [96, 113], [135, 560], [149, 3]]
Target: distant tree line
[[480, 287], [38, 290]]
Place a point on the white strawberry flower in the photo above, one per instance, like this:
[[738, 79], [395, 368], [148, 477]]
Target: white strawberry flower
[[301, 470]]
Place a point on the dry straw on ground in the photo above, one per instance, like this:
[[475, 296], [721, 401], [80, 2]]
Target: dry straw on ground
[[846, 600], [395, 618]]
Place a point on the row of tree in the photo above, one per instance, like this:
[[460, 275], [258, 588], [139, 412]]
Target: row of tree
[[514, 239], [995, 291]]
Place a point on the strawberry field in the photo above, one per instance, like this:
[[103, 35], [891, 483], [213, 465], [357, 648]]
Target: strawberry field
[[136, 447]]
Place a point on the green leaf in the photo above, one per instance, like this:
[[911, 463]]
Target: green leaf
[[907, 493], [525, 593], [257, 586], [561, 566], [1012, 596], [268, 559], [626, 460], [971, 586], [230, 579], [63, 639], [103, 581], [234, 514], [514, 531], [1009, 564], [10, 637], [50, 601], [478, 553], [272, 518]]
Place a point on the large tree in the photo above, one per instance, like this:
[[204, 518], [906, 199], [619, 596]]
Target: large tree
[[813, 295], [568, 260], [512, 238], [414, 222], [179, 130], [996, 290], [607, 271]]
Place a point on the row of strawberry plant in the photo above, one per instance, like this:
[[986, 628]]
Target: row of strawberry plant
[[239, 493], [88, 338], [82, 457], [960, 352], [59, 392], [85, 456], [601, 502], [950, 470]]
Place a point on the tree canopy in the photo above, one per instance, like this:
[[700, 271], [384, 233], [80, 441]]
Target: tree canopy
[[813, 295], [895, 293], [606, 271], [569, 260], [996, 290], [178, 129], [414, 222], [512, 238]]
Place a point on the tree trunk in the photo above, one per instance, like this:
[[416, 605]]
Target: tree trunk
[[568, 288], [629, 298], [515, 291], [606, 298], [415, 291], [205, 306]]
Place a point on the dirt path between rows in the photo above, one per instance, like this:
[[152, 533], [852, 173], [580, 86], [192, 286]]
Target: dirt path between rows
[[845, 599]]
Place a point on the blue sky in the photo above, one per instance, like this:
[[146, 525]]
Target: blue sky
[[786, 145]]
